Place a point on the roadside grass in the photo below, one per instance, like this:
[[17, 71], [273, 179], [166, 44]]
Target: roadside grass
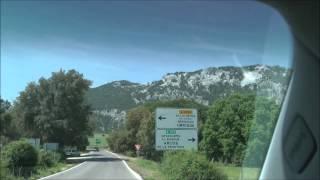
[[251, 173], [98, 140], [234, 172], [46, 171], [149, 170]]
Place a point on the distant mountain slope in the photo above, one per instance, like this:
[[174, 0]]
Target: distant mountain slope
[[114, 95], [203, 86]]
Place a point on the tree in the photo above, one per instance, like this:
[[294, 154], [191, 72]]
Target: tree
[[265, 116], [54, 109], [7, 124], [226, 130], [125, 141], [239, 128], [146, 135], [119, 141], [6, 118], [27, 107], [133, 122]]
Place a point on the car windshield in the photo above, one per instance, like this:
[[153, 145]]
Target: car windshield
[[156, 90]]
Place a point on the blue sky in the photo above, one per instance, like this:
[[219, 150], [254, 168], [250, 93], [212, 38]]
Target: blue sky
[[137, 41]]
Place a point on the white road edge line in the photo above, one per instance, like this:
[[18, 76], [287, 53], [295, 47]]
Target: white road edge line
[[135, 174], [61, 172]]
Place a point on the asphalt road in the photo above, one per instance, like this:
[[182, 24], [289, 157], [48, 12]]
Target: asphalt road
[[101, 165]]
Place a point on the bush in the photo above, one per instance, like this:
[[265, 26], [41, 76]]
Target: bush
[[5, 172], [189, 165], [48, 158], [61, 154], [130, 153], [20, 157]]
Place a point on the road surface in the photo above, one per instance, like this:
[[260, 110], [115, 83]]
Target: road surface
[[102, 165]]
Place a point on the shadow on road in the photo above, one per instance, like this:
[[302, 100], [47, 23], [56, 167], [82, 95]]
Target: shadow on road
[[90, 155], [93, 158], [104, 159]]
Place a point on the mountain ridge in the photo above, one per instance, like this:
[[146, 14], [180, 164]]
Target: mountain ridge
[[112, 100], [203, 86]]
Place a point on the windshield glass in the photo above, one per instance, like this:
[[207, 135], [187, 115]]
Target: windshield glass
[[169, 90]]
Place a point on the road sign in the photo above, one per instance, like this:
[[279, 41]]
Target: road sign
[[51, 146], [35, 142], [137, 146], [176, 129]]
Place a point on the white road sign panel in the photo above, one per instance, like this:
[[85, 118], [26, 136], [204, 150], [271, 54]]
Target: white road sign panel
[[170, 139], [176, 118], [176, 129]]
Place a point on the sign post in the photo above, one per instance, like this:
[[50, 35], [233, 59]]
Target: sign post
[[176, 129]]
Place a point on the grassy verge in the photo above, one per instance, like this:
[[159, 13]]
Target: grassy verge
[[149, 170], [234, 172], [43, 171]]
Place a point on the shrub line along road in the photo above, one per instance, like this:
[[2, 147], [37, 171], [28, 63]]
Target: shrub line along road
[[101, 165]]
